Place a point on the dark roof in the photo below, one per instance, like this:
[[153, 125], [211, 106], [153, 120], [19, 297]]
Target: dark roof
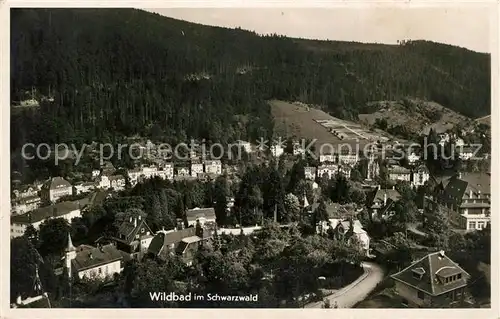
[[378, 195], [56, 210], [194, 214], [185, 242], [454, 191], [164, 239], [435, 267], [57, 182], [89, 257], [128, 230]]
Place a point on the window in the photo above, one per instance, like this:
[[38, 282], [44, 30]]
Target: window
[[459, 276], [472, 225], [420, 295], [100, 270]]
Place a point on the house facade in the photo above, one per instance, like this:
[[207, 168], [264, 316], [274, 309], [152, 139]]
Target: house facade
[[310, 173], [420, 176], [399, 173], [202, 215], [343, 228], [467, 198], [134, 237], [432, 281], [56, 188], [25, 204], [196, 168], [66, 210], [329, 169], [86, 261], [380, 202], [213, 167]]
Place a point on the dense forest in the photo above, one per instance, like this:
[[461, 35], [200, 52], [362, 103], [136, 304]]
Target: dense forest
[[110, 73]]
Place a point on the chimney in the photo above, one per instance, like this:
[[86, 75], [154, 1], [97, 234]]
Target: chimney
[[441, 253], [378, 187], [90, 256], [470, 194], [130, 219], [135, 222], [459, 174], [385, 199], [139, 217]]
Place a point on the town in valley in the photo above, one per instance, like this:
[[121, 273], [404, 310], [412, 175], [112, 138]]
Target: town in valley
[[292, 189]]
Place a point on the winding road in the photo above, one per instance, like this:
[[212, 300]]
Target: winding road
[[355, 292]]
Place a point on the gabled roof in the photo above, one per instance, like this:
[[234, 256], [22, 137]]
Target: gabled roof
[[163, 239], [90, 257], [357, 227], [435, 267], [378, 195], [128, 230], [57, 182], [396, 169]]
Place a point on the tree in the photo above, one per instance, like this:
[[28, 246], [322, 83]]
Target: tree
[[221, 194], [53, 236], [292, 207], [24, 260], [32, 235], [320, 213]]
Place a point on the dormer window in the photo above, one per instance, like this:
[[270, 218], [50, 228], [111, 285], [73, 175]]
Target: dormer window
[[418, 273]]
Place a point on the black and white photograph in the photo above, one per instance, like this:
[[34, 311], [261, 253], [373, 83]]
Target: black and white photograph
[[333, 158]]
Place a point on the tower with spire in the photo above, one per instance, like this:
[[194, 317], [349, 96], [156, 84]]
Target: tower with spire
[[70, 255]]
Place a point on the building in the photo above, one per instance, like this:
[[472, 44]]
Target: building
[[298, 149], [213, 167], [202, 215], [413, 158], [467, 198], [380, 202], [246, 146], [182, 171], [168, 169], [37, 298], [25, 192], [66, 210], [277, 150], [165, 242], [432, 281], [329, 169], [399, 173], [25, 204], [348, 157], [83, 187], [134, 236], [56, 188], [310, 173], [101, 262], [188, 246], [343, 230], [420, 176], [196, 168], [327, 158], [465, 153], [345, 170], [116, 182]]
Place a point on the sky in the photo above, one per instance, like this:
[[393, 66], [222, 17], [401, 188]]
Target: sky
[[465, 27]]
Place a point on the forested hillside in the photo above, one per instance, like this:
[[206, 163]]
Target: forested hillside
[[122, 72]]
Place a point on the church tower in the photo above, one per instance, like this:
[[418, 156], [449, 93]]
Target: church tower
[[70, 255], [373, 168]]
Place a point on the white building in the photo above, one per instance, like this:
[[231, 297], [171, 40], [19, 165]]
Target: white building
[[349, 158], [399, 173], [85, 261], [203, 215], [330, 170], [116, 182], [342, 229], [25, 204], [277, 150], [56, 188], [310, 173], [196, 168], [213, 167], [328, 158], [66, 210], [420, 176], [80, 188], [413, 158]]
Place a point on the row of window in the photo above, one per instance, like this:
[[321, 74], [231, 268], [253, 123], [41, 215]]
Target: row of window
[[452, 278], [477, 225]]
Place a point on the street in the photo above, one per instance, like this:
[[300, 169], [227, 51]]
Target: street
[[355, 292]]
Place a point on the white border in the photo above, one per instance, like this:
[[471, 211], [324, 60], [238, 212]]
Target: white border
[[6, 312]]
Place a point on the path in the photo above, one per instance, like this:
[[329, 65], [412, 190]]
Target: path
[[355, 292]]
